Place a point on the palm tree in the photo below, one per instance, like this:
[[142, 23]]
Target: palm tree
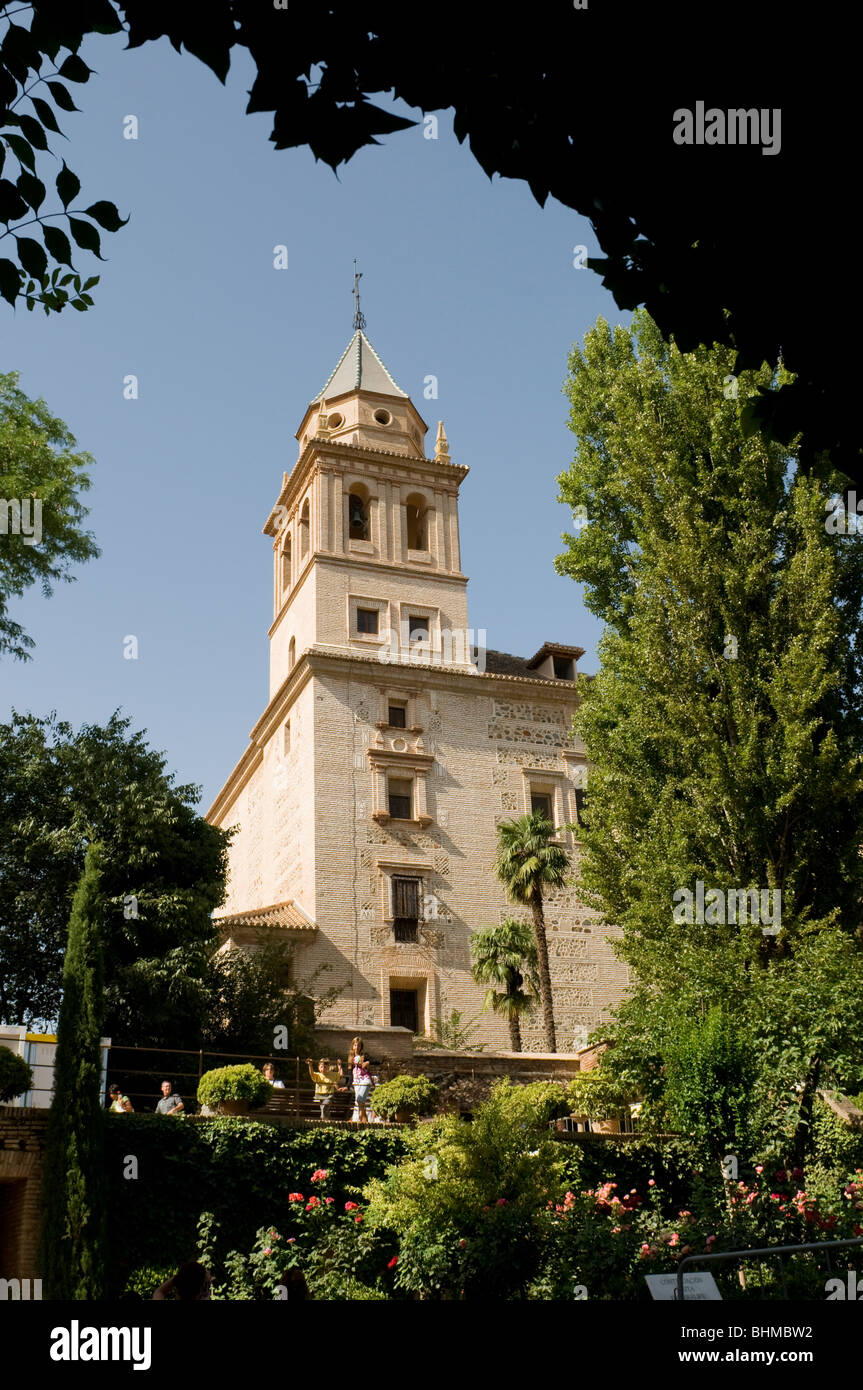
[[505, 955], [530, 861]]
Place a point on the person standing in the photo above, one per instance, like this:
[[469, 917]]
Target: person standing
[[362, 1085], [170, 1104], [325, 1084]]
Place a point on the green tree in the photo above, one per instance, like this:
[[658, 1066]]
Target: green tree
[[74, 1231], [530, 863], [710, 1071], [252, 994], [41, 478], [162, 873], [506, 955], [725, 727]]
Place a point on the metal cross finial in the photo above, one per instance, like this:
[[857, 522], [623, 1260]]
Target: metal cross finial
[[359, 317]]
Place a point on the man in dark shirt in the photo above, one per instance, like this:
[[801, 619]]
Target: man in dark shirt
[[170, 1104]]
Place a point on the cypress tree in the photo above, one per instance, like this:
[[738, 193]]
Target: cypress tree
[[74, 1233]]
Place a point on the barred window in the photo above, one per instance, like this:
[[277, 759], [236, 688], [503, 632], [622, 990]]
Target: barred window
[[406, 908]]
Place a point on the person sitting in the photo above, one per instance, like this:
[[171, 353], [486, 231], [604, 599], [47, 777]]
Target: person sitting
[[120, 1104], [270, 1073]]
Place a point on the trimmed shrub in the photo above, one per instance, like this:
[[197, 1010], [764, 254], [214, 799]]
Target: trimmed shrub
[[15, 1075], [243, 1082], [414, 1094]]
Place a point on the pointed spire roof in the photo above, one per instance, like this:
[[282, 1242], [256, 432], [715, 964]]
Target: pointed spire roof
[[360, 368]]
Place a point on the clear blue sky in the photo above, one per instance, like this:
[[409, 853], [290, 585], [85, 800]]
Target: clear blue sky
[[466, 279]]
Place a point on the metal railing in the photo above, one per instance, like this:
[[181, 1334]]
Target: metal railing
[[293, 1071], [767, 1251]]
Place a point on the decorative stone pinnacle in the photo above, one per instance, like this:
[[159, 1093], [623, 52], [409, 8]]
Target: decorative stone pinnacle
[[441, 447]]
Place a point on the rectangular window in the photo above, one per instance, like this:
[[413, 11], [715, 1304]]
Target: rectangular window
[[419, 629], [541, 801], [406, 908], [367, 621], [399, 796], [397, 716], [580, 800], [404, 1012], [564, 668]]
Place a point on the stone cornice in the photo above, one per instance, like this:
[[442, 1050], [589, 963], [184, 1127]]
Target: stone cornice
[[407, 757], [325, 659]]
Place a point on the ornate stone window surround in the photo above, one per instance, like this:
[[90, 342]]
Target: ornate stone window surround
[[392, 868], [394, 696], [408, 765], [545, 783], [419, 610], [369, 639]]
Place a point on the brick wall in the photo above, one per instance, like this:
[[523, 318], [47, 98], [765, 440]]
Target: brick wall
[[22, 1138]]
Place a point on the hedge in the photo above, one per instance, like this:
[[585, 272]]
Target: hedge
[[163, 1171]]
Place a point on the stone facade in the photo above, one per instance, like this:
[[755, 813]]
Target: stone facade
[[390, 748]]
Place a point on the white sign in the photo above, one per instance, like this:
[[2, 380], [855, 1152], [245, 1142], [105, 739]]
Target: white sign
[[697, 1288]]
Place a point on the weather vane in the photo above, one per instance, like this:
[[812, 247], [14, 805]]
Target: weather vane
[[359, 316]]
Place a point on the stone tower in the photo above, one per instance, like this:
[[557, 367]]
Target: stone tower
[[368, 799]]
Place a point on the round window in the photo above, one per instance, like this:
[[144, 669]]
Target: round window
[[335, 420], [383, 417]]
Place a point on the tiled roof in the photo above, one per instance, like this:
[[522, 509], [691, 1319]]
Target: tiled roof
[[505, 664], [359, 367], [279, 915]]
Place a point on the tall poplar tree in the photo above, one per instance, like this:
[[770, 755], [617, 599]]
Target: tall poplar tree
[[725, 728]]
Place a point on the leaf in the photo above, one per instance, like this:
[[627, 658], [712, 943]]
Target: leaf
[[32, 189], [58, 244], [106, 215], [45, 114], [10, 281], [21, 150], [68, 185], [32, 256], [74, 69], [61, 96], [33, 131], [12, 205], [93, 280], [86, 236]]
